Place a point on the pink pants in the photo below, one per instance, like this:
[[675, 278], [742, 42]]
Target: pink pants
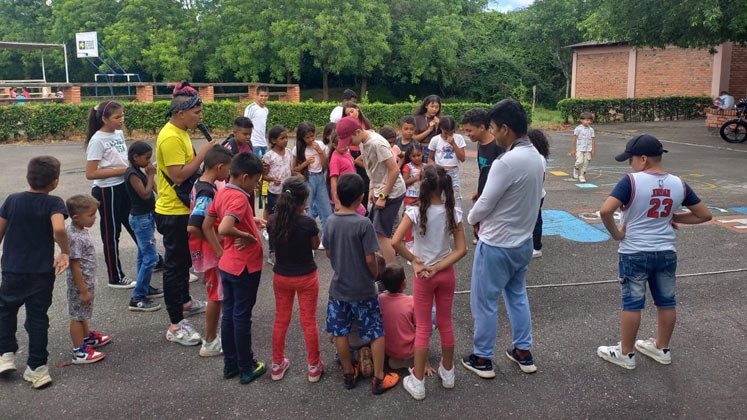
[[286, 288], [441, 289]]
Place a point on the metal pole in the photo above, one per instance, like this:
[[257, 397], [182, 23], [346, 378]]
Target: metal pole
[[67, 77], [44, 73]]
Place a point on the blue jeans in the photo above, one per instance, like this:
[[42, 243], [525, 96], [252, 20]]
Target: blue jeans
[[239, 297], [144, 226], [319, 196], [657, 269], [494, 271], [259, 151]]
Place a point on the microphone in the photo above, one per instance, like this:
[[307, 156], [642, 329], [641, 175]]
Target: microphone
[[204, 130]]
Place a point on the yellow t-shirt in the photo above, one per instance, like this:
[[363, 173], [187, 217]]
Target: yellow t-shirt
[[173, 148]]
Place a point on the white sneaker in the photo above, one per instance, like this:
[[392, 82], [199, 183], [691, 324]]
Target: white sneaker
[[575, 173], [213, 348], [649, 348], [7, 362], [196, 307], [185, 335], [193, 277], [415, 387], [39, 377], [536, 253], [582, 179], [265, 235], [321, 247], [447, 376], [271, 258], [614, 354]]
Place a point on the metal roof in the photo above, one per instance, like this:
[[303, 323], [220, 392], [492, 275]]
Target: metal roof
[[27, 46], [604, 43]]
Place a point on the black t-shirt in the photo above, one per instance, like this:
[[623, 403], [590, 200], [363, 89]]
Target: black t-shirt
[[294, 257], [405, 149], [486, 154], [138, 206], [28, 245], [203, 194]]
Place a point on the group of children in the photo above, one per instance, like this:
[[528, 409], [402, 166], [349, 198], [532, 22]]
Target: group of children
[[315, 178]]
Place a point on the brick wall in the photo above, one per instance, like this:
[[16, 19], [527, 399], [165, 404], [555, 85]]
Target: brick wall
[[715, 118], [602, 75], [673, 71], [738, 76]]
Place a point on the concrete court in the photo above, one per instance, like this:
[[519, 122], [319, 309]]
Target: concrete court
[[144, 376]]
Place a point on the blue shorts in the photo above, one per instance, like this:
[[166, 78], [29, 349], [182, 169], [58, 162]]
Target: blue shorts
[[365, 313], [655, 268]]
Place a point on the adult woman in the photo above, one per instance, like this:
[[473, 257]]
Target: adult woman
[[426, 122]]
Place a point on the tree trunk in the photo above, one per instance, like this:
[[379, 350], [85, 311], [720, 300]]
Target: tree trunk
[[364, 87], [288, 77], [325, 84]]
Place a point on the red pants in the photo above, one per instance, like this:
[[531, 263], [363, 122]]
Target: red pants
[[286, 288], [440, 288]]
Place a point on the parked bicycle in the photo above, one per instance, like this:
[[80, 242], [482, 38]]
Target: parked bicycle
[[735, 130]]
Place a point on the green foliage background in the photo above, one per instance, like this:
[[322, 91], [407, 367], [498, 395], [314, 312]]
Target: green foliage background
[[635, 109]]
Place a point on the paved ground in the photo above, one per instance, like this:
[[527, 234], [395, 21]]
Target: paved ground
[[144, 376]]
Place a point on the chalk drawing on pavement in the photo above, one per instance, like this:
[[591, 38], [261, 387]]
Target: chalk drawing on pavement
[[568, 226]]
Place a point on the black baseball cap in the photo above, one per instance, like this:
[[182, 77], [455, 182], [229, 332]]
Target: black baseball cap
[[643, 145]]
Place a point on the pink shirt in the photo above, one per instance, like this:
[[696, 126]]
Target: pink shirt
[[340, 164], [398, 314]]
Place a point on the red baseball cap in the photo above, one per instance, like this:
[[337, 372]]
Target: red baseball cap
[[345, 129]]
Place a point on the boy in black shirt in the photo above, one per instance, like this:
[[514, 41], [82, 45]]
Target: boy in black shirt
[[30, 223]]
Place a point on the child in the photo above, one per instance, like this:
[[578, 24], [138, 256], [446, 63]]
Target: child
[[327, 133], [278, 160], [390, 135], [257, 112], [405, 139], [203, 243], [81, 280], [30, 223], [238, 141], [350, 241], [295, 236], [340, 163], [351, 109], [426, 122], [412, 175], [436, 221], [446, 151], [583, 146], [240, 265], [140, 189], [649, 198], [539, 140], [398, 313], [310, 161]]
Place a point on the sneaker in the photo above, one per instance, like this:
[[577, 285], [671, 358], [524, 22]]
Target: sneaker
[[123, 283], [212, 348], [143, 305], [184, 335], [526, 363], [38, 377], [230, 371], [96, 339], [159, 265], [86, 354], [193, 277], [380, 386], [154, 292], [414, 387], [575, 173], [259, 370], [474, 242], [447, 376], [351, 378], [649, 348], [316, 371], [481, 367], [536, 253], [7, 362], [278, 370], [321, 247], [582, 178], [265, 234], [614, 354], [366, 359], [271, 258], [196, 307]]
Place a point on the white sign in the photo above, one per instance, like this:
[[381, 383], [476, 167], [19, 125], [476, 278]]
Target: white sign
[[86, 44]]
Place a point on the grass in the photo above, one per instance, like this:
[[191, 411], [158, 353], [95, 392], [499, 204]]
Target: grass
[[547, 118]]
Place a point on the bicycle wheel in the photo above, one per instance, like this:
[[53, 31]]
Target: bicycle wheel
[[734, 131]]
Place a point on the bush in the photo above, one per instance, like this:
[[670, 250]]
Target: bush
[[636, 109], [41, 121]]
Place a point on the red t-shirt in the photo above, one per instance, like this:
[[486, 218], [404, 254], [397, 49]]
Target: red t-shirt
[[232, 201], [398, 314], [340, 164]]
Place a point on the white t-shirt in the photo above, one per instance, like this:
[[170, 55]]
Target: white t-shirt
[[436, 244], [110, 150], [258, 115], [316, 166], [280, 167], [584, 136], [445, 154], [336, 115]]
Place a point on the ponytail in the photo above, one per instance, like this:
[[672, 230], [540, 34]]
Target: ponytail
[[436, 181], [294, 194]]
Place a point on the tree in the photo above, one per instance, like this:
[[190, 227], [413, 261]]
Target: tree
[[21, 20], [373, 26]]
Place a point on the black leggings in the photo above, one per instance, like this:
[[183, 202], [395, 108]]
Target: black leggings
[[114, 213], [537, 234]]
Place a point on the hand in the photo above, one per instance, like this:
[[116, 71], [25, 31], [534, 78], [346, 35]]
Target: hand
[[593, 154], [620, 235], [475, 197], [85, 297], [242, 243], [207, 146], [61, 263], [418, 266], [276, 182], [380, 203], [310, 159], [571, 154], [316, 147], [476, 229], [429, 271], [219, 252], [675, 224], [429, 371], [261, 223], [436, 120], [150, 170]]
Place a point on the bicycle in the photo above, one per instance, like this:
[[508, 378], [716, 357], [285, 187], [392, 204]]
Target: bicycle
[[735, 130]]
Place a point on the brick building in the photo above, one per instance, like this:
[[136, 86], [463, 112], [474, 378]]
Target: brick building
[[618, 70]]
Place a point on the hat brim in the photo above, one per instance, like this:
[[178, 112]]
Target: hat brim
[[622, 157]]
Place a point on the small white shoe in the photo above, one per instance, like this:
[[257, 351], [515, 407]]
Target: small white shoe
[[614, 354], [575, 173], [447, 376], [213, 348], [582, 178], [414, 387], [7, 362], [185, 335], [193, 277], [649, 348], [38, 377], [536, 253]]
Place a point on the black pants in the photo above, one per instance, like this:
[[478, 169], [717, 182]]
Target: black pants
[[34, 291], [114, 212], [176, 263], [366, 180], [537, 234]]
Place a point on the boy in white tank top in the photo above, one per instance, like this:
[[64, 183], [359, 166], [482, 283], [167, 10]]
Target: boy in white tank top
[[648, 198]]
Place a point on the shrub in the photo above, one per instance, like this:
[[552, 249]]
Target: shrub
[[636, 109]]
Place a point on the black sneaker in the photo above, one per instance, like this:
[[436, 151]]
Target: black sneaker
[[154, 292], [159, 265], [143, 305], [526, 363], [230, 371], [481, 367], [123, 283], [258, 370]]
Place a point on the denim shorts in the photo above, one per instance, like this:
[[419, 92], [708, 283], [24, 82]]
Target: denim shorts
[[657, 269], [365, 313]]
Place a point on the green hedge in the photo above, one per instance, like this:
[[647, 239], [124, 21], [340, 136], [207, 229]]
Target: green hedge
[[40, 121], [636, 109]]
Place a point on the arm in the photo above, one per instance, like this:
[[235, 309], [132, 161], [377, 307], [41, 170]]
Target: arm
[[391, 178], [181, 173], [60, 236], [593, 147], [80, 283], [3, 225], [209, 234], [458, 149], [315, 241], [333, 187], [699, 213], [421, 136], [298, 167], [94, 172], [459, 251], [607, 213], [373, 267], [499, 180], [227, 227], [143, 191], [573, 146], [410, 179]]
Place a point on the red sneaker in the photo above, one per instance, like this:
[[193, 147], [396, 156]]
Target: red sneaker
[[96, 339], [86, 354]]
